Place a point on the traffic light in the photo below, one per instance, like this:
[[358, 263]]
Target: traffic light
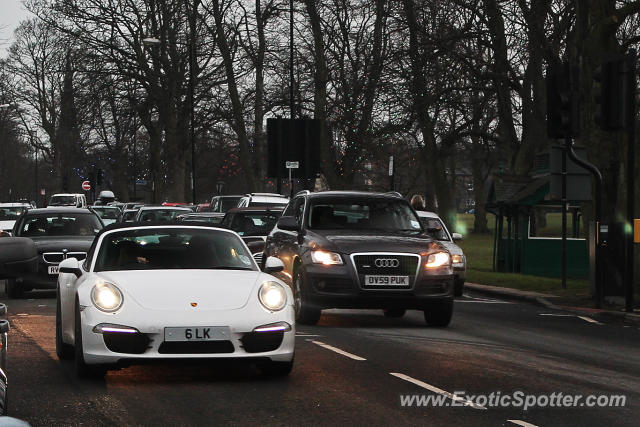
[[562, 104], [614, 92]]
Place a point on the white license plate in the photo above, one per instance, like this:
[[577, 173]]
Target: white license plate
[[386, 280], [198, 333], [54, 269]]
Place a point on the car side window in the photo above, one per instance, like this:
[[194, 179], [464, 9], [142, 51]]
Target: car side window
[[299, 209], [288, 211]]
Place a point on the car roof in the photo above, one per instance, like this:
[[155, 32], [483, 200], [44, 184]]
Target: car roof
[[158, 224], [427, 214], [359, 194], [164, 208], [275, 208], [59, 209], [203, 214], [14, 205], [104, 207], [67, 194]]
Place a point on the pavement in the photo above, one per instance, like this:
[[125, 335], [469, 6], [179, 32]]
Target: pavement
[[355, 367], [546, 300]]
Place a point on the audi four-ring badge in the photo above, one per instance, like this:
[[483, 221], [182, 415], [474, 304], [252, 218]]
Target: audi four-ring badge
[[361, 250]]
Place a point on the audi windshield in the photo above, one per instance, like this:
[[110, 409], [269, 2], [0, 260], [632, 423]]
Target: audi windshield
[[365, 214]]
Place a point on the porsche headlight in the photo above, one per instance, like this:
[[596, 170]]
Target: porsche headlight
[[439, 259], [326, 258], [106, 297], [272, 296]]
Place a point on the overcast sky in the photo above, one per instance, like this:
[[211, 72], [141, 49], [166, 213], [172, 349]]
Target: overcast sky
[[11, 13]]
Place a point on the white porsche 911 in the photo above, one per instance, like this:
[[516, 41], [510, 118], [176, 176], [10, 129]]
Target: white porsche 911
[[172, 292]]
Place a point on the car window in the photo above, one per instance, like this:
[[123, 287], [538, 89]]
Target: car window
[[11, 213], [435, 228], [62, 201], [298, 210], [253, 223], [229, 203], [60, 225], [173, 248]]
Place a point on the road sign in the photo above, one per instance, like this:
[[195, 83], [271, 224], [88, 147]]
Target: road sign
[[292, 165], [86, 185], [390, 165]]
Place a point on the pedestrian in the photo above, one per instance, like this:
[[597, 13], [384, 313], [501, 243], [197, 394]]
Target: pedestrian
[[417, 202]]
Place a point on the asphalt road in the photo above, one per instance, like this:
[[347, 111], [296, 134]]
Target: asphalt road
[[354, 368]]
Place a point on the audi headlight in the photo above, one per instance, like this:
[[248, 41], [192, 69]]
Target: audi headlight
[[326, 258], [457, 259], [106, 297], [439, 259], [272, 296]]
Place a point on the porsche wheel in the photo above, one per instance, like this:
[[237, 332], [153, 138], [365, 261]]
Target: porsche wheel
[[83, 370], [63, 350], [305, 314]]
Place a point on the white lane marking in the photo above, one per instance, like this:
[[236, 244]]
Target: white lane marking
[[437, 390], [585, 318], [337, 350], [557, 315], [306, 335], [42, 305], [522, 423], [590, 320], [22, 314], [476, 298], [484, 301]]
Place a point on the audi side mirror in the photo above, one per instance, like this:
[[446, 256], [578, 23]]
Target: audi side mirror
[[288, 223]]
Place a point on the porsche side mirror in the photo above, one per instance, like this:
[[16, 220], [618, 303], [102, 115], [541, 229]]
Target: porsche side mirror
[[71, 266], [273, 265], [288, 223]]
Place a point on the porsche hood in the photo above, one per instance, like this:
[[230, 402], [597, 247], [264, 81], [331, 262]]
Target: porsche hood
[[180, 290]]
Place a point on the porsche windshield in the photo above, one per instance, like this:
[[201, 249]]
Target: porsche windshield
[[172, 248], [366, 214]]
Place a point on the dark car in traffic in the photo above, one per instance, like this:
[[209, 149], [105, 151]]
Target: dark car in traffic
[[58, 233], [253, 224], [361, 250]]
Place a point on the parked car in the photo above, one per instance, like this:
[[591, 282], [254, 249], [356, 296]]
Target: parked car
[[9, 214], [160, 213], [108, 214], [172, 292], [436, 227], [253, 225], [202, 207], [58, 233], [68, 199], [263, 199], [361, 250], [222, 204]]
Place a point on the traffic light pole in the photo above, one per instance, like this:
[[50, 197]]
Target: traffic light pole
[[629, 80], [564, 213], [597, 217]]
